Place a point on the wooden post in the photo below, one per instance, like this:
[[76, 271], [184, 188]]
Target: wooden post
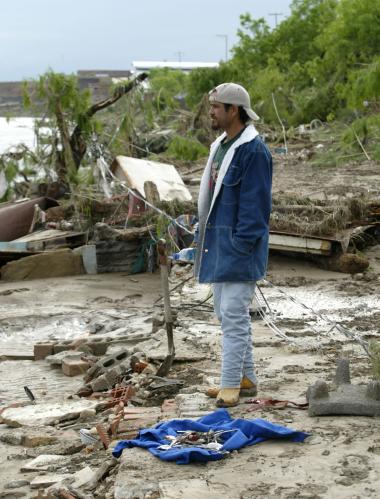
[[163, 261]]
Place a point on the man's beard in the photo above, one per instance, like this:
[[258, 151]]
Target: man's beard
[[215, 125]]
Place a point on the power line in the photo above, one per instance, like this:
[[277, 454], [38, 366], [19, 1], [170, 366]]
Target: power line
[[276, 15]]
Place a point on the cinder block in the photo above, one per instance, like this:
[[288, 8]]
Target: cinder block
[[42, 350], [71, 367], [108, 380], [98, 347], [348, 399], [62, 346], [106, 363]]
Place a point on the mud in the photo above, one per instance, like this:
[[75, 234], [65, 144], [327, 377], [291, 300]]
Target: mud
[[341, 458]]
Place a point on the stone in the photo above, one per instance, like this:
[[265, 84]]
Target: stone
[[43, 462], [15, 484], [73, 367], [83, 477], [44, 481], [347, 399], [45, 414], [42, 350], [13, 495], [57, 263], [130, 482], [87, 415], [38, 440], [12, 438]]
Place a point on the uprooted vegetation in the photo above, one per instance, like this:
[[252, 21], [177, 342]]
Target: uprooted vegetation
[[315, 217]]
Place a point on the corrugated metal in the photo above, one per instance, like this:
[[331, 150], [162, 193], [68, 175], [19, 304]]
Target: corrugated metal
[[16, 218]]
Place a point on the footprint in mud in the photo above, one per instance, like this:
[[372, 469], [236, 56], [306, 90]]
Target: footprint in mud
[[353, 467], [259, 491], [10, 291], [303, 491]]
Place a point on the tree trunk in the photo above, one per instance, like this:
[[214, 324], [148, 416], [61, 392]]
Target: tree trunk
[[78, 143]]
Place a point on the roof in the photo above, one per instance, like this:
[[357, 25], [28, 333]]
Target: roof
[[184, 66], [137, 172]]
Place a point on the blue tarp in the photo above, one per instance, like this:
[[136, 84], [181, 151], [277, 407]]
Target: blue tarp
[[248, 432]]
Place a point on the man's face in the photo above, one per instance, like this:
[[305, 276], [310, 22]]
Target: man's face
[[220, 118]]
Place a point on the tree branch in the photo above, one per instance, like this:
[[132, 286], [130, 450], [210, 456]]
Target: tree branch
[[77, 142]]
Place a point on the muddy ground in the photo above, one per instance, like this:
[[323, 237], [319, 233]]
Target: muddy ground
[[340, 459]]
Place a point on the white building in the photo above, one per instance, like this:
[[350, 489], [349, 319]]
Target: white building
[[186, 67]]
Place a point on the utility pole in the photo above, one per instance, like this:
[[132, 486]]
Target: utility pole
[[276, 16], [179, 54], [225, 45]]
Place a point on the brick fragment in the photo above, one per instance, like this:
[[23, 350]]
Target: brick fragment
[[73, 367], [42, 350]]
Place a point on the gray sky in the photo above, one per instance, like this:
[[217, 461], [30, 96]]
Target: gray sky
[[67, 35]]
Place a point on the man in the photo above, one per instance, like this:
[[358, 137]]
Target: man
[[234, 206]]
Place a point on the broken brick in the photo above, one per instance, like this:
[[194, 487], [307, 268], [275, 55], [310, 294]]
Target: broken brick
[[73, 367], [42, 350]]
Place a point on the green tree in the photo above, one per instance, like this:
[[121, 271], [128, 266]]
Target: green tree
[[71, 113]]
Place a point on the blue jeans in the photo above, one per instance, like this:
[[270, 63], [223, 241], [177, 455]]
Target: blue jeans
[[231, 305]]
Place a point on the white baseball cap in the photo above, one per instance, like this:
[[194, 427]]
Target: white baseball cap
[[232, 93]]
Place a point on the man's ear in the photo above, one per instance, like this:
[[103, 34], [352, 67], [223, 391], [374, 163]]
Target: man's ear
[[235, 110]]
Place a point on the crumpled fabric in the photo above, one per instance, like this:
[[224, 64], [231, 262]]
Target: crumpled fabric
[[248, 432]]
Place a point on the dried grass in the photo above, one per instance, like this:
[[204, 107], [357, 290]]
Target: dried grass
[[309, 217]]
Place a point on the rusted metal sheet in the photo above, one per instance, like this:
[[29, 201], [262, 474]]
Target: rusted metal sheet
[[16, 218]]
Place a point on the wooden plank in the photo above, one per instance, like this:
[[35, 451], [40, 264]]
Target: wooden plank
[[300, 244]]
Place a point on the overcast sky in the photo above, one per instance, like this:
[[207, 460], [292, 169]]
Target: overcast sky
[[67, 35]]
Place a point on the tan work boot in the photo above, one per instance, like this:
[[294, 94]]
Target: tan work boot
[[247, 387], [228, 397]]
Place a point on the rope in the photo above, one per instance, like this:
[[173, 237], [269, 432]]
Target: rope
[[346, 332]]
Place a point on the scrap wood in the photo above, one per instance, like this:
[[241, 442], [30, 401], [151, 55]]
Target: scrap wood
[[276, 404]]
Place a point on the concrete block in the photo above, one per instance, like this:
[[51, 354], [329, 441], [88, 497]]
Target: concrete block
[[42, 350], [62, 346], [98, 346], [106, 363], [346, 399], [109, 379], [57, 358], [73, 367], [88, 254]]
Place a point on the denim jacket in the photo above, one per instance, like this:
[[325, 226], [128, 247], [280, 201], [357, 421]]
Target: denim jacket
[[233, 229]]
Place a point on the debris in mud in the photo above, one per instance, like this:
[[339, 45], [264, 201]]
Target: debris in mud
[[45, 414], [355, 400]]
